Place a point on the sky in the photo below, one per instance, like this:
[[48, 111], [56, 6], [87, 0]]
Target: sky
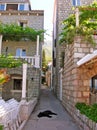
[[47, 6]]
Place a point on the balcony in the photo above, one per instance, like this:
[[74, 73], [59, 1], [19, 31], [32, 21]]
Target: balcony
[[32, 61]]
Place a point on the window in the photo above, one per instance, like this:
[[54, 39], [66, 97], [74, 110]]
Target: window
[[12, 7], [23, 52], [20, 52], [17, 84], [2, 6], [76, 2], [21, 24], [93, 84], [21, 7]]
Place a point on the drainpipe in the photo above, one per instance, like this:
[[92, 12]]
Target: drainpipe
[[24, 81], [0, 54], [0, 43]]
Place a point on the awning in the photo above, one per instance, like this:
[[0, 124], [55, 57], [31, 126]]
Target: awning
[[87, 58]]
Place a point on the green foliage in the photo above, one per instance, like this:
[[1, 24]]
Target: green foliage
[[87, 27], [13, 32], [1, 127], [44, 64], [89, 111], [9, 62]]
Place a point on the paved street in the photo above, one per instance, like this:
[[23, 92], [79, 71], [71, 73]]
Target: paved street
[[61, 121]]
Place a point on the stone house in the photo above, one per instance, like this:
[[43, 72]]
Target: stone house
[[19, 12], [72, 82]]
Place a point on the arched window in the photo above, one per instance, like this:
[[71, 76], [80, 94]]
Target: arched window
[[76, 2]]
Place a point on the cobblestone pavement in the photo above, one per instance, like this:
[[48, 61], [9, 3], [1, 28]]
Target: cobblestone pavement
[[61, 121]]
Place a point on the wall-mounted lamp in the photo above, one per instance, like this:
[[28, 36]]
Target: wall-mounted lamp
[[32, 78]]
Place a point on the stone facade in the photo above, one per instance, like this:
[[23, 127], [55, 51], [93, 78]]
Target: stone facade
[[33, 19], [12, 46], [76, 80], [33, 74], [62, 9], [33, 84]]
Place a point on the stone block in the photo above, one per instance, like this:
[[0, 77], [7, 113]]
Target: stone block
[[86, 127], [83, 45], [75, 82], [96, 127], [77, 112], [90, 123], [93, 125], [26, 108], [86, 94], [86, 82], [79, 55], [80, 50]]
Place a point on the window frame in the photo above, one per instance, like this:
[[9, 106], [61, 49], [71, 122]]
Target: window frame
[[93, 84], [21, 7], [22, 23], [21, 53], [2, 7], [11, 6], [76, 2], [14, 84]]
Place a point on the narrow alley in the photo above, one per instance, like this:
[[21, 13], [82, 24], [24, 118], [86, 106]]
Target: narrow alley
[[61, 121]]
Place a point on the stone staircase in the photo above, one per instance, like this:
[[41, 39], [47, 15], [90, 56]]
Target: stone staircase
[[14, 114], [9, 116]]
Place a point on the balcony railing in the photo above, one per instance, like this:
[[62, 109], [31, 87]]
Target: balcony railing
[[33, 61]]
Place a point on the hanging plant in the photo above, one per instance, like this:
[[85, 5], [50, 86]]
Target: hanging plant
[[86, 29]]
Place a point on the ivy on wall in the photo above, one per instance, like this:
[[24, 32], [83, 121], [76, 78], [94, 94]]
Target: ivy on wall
[[87, 26]]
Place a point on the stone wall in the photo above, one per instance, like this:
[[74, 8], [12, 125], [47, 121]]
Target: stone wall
[[63, 9], [84, 122], [33, 84], [29, 46], [76, 80], [33, 19]]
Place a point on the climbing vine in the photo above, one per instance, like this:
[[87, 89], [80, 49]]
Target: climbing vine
[[9, 62], [13, 32], [87, 27]]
